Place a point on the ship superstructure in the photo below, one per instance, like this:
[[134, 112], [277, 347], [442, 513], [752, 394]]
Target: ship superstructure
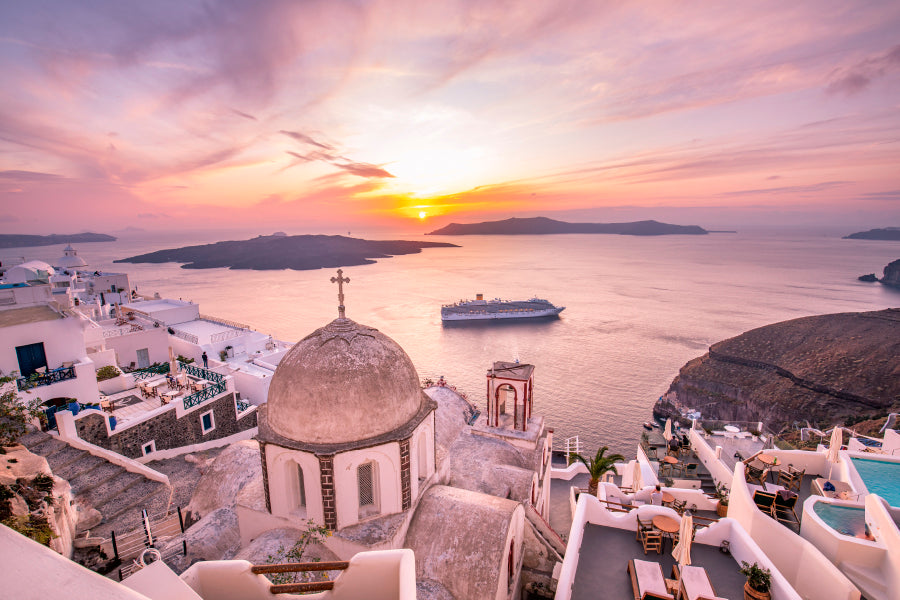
[[481, 309]]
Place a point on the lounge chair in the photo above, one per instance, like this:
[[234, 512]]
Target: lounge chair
[[783, 508], [647, 581], [764, 501], [694, 583]]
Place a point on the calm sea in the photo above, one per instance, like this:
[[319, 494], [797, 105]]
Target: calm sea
[[636, 310]]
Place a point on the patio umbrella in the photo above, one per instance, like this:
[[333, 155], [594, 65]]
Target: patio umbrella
[[667, 432], [682, 551], [837, 438], [637, 480]]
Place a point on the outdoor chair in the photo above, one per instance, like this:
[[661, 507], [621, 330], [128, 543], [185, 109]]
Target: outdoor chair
[[764, 501], [642, 528], [789, 480], [679, 506], [783, 508], [651, 452], [690, 469], [652, 540], [753, 474]]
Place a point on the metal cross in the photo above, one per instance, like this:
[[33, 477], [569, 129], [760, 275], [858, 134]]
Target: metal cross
[[340, 280]]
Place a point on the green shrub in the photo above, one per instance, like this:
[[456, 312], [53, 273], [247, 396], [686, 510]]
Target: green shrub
[[107, 372]]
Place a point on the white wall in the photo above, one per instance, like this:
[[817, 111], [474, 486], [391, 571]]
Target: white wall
[[155, 339], [346, 489], [63, 341], [807, 569], [424, 432]]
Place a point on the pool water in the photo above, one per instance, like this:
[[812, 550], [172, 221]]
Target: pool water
[[849, 520], [881, 477]]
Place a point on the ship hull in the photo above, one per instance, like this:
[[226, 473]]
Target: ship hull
[[504, 316]]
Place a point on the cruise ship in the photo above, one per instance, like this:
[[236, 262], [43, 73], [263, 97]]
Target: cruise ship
[[481, 309]]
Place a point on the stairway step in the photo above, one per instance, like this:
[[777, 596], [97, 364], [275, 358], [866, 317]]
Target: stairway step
[[109, 489], [64, 456], [135, 498], [33, 438], [94, 477], [75, 468], [46, 447]]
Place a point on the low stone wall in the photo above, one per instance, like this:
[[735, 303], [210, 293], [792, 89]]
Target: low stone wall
[[166, 429]]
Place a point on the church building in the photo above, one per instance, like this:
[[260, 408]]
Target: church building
[[349, 440]]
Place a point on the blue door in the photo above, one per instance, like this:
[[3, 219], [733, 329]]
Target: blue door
[[31, 358]]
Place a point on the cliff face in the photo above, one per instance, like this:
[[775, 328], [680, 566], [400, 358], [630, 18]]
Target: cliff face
[[892, 274], [822, 368]]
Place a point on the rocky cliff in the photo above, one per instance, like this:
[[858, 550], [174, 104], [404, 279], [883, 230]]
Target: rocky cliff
[[892, 274], [822, 369]]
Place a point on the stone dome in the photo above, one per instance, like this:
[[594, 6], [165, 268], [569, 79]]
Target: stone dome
[[344, 382]]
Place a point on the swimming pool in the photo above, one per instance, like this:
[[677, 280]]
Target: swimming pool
[[880, 477], [849, 520]]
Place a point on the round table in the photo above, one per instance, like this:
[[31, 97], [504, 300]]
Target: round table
[[667, 525], [671, 460], [667, 498], [767, 459], [732, 429]]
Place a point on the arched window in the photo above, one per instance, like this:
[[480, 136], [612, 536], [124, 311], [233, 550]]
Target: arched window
[[367, 481], [301, 496], [423, 456], [511, 564]]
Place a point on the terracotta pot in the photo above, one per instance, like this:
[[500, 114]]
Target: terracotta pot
[[722, 510], [751, 594]]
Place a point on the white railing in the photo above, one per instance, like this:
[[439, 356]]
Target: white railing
[[225, 322], [225, 335], [573, 446], [184, 335]]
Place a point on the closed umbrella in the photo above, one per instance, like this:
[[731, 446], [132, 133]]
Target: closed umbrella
[[667, 432], [837, 438], [682, 551], [637, 480]]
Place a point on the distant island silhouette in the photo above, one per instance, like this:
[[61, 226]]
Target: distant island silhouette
[[274, 252], [546, 226], [16, 240], [890, 234]]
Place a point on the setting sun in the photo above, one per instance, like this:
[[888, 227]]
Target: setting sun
[[423, 214]]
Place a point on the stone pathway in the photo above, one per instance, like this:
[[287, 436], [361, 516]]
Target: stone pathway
[[118, 494]]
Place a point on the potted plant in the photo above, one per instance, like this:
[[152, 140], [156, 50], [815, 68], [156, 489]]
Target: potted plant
[[598, 466], [722, 495], [759, 581]]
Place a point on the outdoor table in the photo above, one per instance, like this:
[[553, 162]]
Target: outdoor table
[[169, 396], [666, 525], [671, 460], [732, 429], [667, 498]]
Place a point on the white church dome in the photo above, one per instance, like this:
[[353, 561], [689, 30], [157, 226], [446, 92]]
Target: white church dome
[[70, 259], [342, 383]]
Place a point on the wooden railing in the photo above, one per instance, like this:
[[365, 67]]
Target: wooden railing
[[299, 588]]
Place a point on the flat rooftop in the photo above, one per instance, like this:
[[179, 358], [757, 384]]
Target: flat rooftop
[[151, 306], [28, 314], [603, 563], [204, 330]]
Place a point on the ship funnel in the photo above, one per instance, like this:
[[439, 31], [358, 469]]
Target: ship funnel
[[479, 296]]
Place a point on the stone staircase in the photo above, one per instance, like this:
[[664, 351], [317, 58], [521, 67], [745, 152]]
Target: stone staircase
[[707, 484], [118, 494]]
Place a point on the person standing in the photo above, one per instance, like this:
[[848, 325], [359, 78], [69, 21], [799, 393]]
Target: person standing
[[205, 360]]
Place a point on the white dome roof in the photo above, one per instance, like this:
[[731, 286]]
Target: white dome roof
[[345, 382]]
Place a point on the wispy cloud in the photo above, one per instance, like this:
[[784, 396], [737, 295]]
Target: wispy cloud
[[29, 176], [856, 78], [305, 139]]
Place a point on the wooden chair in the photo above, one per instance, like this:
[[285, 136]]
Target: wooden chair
[[690, 469], [753, 474], [783, 509], [764, 501], [642, 528], [652, 540], [651, 452]]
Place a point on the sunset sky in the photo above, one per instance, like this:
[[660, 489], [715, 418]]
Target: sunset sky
[[406, 115]]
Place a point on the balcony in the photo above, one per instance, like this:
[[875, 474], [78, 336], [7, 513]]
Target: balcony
[[49, 378]]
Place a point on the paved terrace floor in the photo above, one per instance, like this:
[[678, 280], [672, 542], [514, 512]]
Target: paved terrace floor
[[605, 552]]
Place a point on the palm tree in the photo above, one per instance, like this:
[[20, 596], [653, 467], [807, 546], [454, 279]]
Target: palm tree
[[597, 466]]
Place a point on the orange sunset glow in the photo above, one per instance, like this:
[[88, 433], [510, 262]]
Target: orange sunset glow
[[394, 114]]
